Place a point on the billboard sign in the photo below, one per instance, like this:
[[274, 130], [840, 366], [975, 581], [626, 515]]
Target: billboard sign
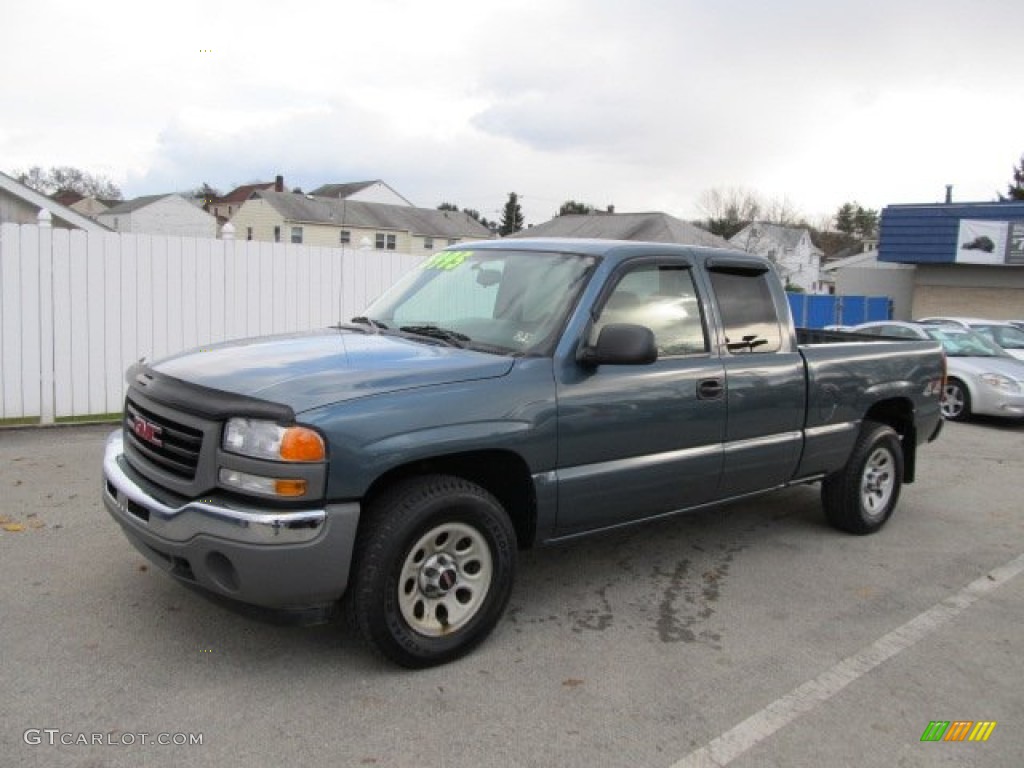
[[995, 243]]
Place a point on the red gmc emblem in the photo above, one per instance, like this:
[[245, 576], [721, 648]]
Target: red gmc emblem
[[145, 430]]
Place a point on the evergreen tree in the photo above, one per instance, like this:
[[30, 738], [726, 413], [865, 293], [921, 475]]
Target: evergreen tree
[[511, 216], [1015, 189], [846, 218], [865, 221]]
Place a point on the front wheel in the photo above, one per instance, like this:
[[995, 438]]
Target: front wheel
[[434, 570], [956, 401], [861, 496]]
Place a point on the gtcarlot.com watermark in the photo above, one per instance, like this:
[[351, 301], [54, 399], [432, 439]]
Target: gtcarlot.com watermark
[[54, 737]]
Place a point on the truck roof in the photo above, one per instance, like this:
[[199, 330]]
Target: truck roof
[[620, 249]]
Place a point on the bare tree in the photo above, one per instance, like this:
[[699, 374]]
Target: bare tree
[[68, 179], [729, 209], [781, 211]]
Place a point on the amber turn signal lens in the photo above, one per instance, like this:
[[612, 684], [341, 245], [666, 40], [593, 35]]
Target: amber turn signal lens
[[301, 444], [290, 487]]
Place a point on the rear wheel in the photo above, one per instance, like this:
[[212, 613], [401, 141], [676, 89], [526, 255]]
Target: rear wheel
[[434, 570], [861, 496], [956, 401]]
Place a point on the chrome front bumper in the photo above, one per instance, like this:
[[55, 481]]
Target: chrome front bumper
[[181, 523], [282, 559]]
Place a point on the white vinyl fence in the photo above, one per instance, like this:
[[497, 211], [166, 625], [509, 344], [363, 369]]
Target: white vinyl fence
[[77, 308]]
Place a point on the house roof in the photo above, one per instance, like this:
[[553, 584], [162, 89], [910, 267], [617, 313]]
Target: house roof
[[787, 237], [351, 213], [341, 190], [348, 189], [134, 204], [39, 200], [862, 259], [648, 227], [243, 193]]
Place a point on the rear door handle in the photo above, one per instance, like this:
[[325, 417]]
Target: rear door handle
[[710, 389]]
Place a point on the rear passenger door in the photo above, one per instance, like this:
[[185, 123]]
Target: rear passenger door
[[641, 440], [764, 379]]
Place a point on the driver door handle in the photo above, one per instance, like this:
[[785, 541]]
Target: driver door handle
[[710, 389]]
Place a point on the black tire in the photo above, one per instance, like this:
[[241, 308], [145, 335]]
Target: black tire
[[435, 561], [861, 496], [956, 401]]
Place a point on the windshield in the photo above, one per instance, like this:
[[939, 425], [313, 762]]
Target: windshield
[[510, 302], [960, 342], [1006, 336]]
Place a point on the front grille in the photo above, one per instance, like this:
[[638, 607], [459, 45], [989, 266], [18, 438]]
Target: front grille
[[170, 445]]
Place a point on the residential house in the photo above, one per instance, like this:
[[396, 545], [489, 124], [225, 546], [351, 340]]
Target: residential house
[[362, 192], [87, 205], [21, 204], [796, 258], [227, 206], [650, 227], [160, 215], [293, 218]]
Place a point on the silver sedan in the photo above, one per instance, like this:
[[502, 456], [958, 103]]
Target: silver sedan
[[981, 377], [1006, 334]]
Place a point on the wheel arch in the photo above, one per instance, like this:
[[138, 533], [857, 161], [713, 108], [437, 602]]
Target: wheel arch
[[898, 413], [502, 473]]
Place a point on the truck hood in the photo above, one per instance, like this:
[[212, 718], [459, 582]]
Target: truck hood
[[309, 370]]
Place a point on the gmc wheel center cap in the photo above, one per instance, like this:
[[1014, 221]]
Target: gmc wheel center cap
[[438, 575]]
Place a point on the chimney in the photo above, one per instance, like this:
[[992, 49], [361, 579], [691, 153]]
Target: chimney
[[279, 184], [949, 194]]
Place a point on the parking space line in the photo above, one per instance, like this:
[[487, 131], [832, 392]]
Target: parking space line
[[725, 748]]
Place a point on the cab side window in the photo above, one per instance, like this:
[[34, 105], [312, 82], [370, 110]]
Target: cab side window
[[749, 316], [662, 298]]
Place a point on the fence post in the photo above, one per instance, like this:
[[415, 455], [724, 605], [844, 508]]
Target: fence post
[[44, 263]]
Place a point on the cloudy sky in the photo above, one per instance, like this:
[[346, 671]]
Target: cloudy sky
[[643, 104]]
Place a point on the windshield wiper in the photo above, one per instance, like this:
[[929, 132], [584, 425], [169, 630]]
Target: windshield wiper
[[454, 338]]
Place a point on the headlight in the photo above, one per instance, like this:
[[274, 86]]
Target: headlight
[[998, 381], [267, 440]]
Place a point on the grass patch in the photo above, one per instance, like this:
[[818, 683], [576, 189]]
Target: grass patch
[[92, 418], [23, 422]]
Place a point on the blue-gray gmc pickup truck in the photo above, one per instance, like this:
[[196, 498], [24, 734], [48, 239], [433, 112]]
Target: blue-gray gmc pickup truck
[[504, 394]]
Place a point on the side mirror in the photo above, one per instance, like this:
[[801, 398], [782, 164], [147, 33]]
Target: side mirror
[[621, 344]]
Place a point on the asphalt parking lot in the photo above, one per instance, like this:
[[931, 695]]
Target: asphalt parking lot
[[750, 635]]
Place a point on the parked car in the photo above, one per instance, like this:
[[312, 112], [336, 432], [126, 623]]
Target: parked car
[[981, 377], [1005, 334]]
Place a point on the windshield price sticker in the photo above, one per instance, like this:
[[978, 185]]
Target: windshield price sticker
[[446, 259]]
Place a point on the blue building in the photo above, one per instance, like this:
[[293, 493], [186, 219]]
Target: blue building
[[968, 258]]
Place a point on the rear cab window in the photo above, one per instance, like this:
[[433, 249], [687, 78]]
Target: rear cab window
[[750, 319]]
